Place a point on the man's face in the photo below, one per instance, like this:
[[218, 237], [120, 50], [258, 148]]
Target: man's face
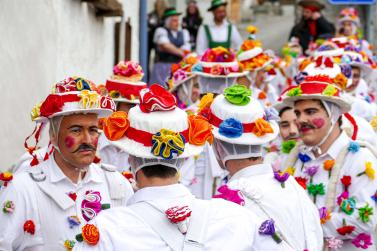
[[174, 22], [347, 28], [78, 139], [307, 14], [356, 75], [125, 107], [288, 126], [259, 78], [219, 13], [312, 120]]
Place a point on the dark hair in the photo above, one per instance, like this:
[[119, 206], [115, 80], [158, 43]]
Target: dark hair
[[159, 171], [287, 108], [197, 13]]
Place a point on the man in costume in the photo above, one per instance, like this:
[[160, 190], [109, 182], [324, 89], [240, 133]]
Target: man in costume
[[44, 207], [164, 215], [219, 32]]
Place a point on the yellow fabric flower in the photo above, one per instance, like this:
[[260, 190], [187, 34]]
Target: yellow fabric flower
[[373, 123], [36, 111], [89, 99], [369, 171], [252, 29], [291, 170], [206, 101]]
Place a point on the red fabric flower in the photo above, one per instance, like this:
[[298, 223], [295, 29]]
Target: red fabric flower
[[156, 98], [178, 214], [72, 195], [345, 230], [127, 175], [346, 181], [301, 181], [29, 227], [51, 105]]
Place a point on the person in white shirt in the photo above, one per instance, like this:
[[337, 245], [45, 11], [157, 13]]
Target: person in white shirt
[[163, 215], [241, 127], [337, 172], [172, 43], [219, 32], [45, 206]]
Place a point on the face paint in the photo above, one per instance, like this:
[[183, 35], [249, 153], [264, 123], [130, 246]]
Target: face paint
[[95, 142], [318, 122], [69, 142]]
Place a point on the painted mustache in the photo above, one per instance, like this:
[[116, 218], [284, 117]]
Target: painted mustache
[[85, 147], [305, 126]]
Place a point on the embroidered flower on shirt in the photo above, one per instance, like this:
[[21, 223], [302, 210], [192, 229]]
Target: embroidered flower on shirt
[[281, 177], [362, 240], [354, 147], [73, 221], [69, 244], [6, 177], [89, 234], [333, 243], [268, 228], [316, 189], [72, 195], [365, 212], [301, 181], [8, 207], [345, 229], [229, 194], [324, 215], [369, 171], [346, 181], [180, 216], [374, 197], [29, 227], [311, 171], [348, 205], [328, 165]]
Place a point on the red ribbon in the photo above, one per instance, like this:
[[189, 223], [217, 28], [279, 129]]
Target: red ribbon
[[216, 121], [354, 124], [54, 103], [315, 88], [126, 90]]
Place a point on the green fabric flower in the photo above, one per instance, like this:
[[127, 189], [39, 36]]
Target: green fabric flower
[[365, 212], [237, 94], [316, 189], [348, 205], [287, 146], [330, 90], [294, 92]]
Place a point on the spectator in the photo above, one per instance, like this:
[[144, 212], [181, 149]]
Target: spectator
[[192, 21]]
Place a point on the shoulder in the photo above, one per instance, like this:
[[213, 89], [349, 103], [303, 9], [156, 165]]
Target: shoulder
[[222, 210], [161, 31]]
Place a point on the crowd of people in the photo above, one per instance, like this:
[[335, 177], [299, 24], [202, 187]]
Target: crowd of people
[[230, 148]]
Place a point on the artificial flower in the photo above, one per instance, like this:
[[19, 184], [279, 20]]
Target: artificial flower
[[8, 207], [301, 181], [369, 171], [311, 171], [262, 95], [36, 111], [89, 234], [328, 165], [341, 81], [304, 157], [91, 205], [89, 99], [262, 127], [362, 240], [290, 170], [348, 205], [345, 229], [373, 123], [324, 215], [287, 146], [116, 125], [343, 196], [346, 181], [333, 243], [294, 92], [156, 98], [330, 90], [237, 95], [29, 227], [231, 128], [129, 69], [73, 221], [6, 177], [281, 177], [179, 215], [251, 29], [200, 130], [374, 197], [365, 212], [233, 195], [268, 228], [72, 195], [206, 101], [167, 144], [316, 189], [69, 244]]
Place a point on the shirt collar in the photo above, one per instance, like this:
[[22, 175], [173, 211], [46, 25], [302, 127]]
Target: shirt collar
[[252, 171], [212, 23], [56, 174], [157, 192]]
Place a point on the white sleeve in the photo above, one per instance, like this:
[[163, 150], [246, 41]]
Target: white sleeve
[[201, 41], [236, 38], [161, 36], [186, 39]]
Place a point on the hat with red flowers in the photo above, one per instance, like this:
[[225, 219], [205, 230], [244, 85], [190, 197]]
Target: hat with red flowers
[[125, 84]]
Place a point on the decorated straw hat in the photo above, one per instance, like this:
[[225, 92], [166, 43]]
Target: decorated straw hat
[[217, 3], [252, 57], [238, 118], [73, 95], [125, 84], [349, 14], [181, 73], [157, 129]]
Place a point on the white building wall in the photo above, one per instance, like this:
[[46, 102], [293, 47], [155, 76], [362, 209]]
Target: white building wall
[[43, 41]]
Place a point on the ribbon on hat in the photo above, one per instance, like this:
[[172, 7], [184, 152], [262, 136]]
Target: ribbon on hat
[[126, 90], [156, 98], [324, 62], [352, 120]]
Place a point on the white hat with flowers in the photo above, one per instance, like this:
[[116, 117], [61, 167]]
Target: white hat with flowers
[[157, 128], [237, 118], [125, 84]]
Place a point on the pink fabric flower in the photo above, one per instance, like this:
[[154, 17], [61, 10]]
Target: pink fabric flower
[[362, 241], [333, 243], [91, 205], [341, 197], [229, 194]]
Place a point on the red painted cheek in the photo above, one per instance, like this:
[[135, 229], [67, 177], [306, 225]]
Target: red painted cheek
[[318, 122], [95, 142], [69, 142]]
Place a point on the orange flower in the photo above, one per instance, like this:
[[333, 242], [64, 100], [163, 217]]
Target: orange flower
[[341, 81], [200, 130], [262, 127], [328, 164], [250, 44], [90, 234], [262, 95], [206, 101], [191, 60], [174, 68], [116, 125], [303, 64]]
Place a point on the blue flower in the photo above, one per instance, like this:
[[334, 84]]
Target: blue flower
[[300, 77], [374, 197], [231, 128], [197, 68], [346, 69], [304, 157], [354, 147], [368, 99]]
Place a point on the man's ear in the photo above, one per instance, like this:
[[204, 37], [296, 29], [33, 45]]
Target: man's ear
[[54, 139]]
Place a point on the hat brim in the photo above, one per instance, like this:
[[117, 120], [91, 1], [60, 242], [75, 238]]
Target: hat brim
[[217, 5], [124, 100], [249, 138], [172, 14], [230, 75], [344, 105], [102, 113], [366, 70], [306, 3], [139, 150], [179, 83]]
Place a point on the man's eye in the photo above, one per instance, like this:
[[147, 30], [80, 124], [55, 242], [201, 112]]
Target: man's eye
[[75, 130]]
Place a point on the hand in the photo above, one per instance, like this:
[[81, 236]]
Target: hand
[[316, 15]]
